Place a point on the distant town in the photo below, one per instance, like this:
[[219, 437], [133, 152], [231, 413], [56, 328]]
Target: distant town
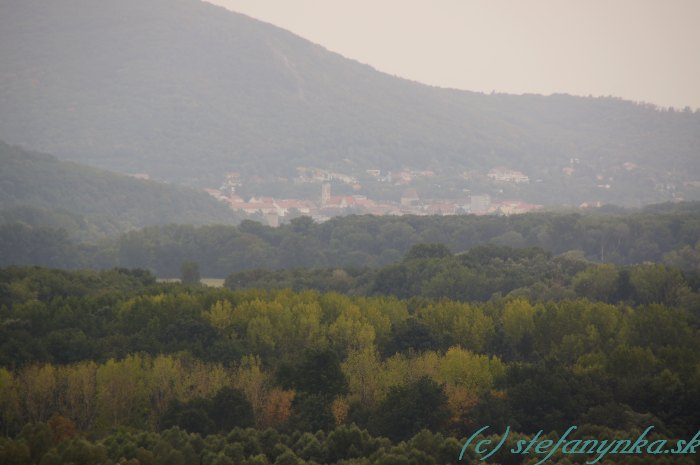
[[274, 211]]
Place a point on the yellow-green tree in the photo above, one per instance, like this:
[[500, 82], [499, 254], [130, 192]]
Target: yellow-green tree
[[9, 400], [164, 383], [122, 396], [459, 323], [78, 393], [221, 317], [351, 332], [363, 371], [38, 388], [518, 321]]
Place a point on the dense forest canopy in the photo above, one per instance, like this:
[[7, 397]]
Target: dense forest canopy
[[533, 322], [668, 233], [490, 271], [95, 352]]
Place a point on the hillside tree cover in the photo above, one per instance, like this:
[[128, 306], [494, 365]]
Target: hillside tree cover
[[41, 194], [140, 93]]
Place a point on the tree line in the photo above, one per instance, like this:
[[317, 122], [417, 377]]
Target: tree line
[[432, 271], [55, 443], [663, 234]]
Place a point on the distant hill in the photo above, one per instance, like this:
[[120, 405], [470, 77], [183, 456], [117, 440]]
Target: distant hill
[[38, 189], [187, 91]]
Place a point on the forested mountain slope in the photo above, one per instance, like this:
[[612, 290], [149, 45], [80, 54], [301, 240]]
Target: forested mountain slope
[[40, 190], [186, 91]]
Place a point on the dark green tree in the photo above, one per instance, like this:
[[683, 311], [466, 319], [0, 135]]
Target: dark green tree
[[411, 334], [318, 372], [192, 416], [411, 408], [311, 412], [421, 251], [189, 273], [229, 409]]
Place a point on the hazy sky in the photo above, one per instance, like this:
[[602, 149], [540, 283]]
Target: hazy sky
[[642, 50]]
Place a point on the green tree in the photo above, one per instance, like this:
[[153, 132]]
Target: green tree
[[318, 372], [192, 416], [422, 251], [410, 334], [229, 409], [312, 412], [411, 408], [519, 325], [598, 282], [654, 283], [189, 273]]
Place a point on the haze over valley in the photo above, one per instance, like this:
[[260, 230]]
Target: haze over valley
[[224, 244], [186, 92]]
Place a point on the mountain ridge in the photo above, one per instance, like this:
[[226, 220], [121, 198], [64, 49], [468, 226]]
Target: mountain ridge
[[186, 90], [39, 189]]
